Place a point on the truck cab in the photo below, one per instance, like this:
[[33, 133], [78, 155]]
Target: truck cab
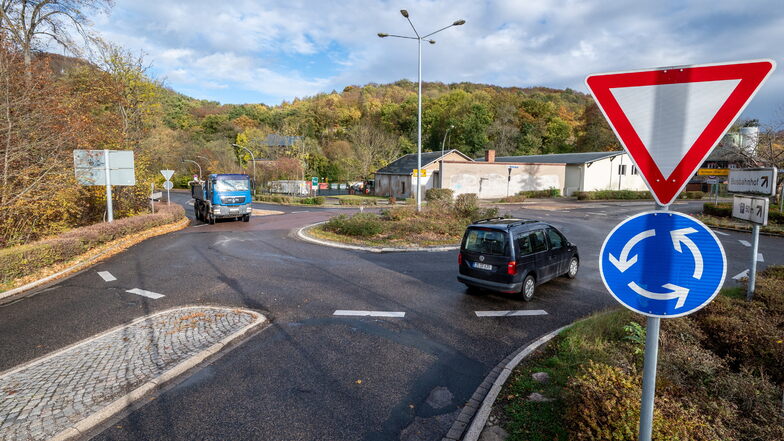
[[222, 196]]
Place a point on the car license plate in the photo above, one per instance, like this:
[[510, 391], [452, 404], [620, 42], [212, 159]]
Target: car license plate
[[234, 210], [483, 266]]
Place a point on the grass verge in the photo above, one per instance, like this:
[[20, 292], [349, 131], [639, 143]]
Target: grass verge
[[720, 375], [27, 263], [441, 222]]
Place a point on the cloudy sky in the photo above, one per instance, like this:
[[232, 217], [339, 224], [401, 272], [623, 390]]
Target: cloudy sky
[[245, 51]]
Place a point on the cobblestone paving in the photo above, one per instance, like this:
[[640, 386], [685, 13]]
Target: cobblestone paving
[[52, 394]]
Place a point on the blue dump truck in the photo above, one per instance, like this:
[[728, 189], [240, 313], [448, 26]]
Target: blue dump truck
[[222, 196]]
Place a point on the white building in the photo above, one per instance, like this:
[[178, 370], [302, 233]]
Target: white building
[[590, 171]]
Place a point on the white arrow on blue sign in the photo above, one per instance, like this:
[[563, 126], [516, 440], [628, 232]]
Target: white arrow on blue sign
[[662, 264]]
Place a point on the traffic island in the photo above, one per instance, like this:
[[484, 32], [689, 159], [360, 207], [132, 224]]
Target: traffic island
[[64, 394], [586, 383], [439, 225]]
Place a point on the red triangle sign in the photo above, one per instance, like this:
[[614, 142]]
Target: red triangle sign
[[669, 119]]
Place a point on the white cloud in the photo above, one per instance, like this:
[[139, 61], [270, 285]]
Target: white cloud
[[273, 51]]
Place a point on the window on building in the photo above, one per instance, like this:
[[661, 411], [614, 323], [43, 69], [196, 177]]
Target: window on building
[[402, 188], [634, 170], [622, 169]]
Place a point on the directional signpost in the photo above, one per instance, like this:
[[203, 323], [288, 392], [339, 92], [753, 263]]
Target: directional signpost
[[760, 181], [105, 167], [756, 185], [669, 119], [167, 174]]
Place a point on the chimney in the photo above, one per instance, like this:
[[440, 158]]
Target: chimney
[[490, 156]]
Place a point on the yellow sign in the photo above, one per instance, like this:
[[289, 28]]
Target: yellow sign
[[422, 173], [713, 172]]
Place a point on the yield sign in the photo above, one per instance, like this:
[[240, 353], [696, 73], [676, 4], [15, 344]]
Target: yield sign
[[167, 174], [669, 119]]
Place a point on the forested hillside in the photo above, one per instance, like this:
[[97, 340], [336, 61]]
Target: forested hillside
[[348, 135], [51, 105]]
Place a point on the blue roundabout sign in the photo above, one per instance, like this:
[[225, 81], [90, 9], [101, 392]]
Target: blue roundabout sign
[[662, 264]]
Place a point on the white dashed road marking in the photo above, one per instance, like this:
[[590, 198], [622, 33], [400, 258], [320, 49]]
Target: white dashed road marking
[[760, 258], [745, 243], [742, 275], [721, 233], [510, 313], [295, 212], [107, 276], [352, 313], [145, 293]]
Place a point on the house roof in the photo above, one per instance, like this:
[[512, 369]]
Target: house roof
[[405, 165], [559, 158]]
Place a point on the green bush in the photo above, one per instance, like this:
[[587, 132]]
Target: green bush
[[551, 192], [358, 201], [516, 199], [440, 194], [724, 209], [692, 195], [21, 261], [467, 205], [358, 225], [720, 210], [277, 198], [315, 200], [612, 194]]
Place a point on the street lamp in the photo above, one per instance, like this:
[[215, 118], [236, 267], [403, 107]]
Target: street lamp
[[252, 158], [444, 141], [419, 39], [197, 165]]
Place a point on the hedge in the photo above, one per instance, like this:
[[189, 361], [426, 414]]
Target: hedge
[[629, 195], [285, 199], [725, 210], [23, 260]]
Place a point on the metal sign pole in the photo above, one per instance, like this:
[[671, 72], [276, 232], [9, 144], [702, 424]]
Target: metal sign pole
[[109, 210], [753, 272], [650, 361], [168, 199], [152, 198]]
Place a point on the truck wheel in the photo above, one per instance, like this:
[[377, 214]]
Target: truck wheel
[[197, 212], [210, 218], [246, 218]]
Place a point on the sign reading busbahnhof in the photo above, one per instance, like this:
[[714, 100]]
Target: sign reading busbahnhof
[[662, 264]]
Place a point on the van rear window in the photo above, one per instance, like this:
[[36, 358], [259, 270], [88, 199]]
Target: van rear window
[[486, 241]]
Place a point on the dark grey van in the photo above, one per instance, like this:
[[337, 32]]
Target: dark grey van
[[514, 255]]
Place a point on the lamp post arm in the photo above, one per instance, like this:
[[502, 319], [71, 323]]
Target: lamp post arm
[[401, 36], [435, 32]]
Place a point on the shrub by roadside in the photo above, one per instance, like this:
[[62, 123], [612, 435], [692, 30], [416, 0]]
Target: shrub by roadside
[[357, 200], [20, 261], [629, 195], [720, 376], [724, 209], [440, 222], [284, 199]]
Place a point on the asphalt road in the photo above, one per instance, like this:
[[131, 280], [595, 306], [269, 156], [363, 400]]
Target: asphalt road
[[311, 375]]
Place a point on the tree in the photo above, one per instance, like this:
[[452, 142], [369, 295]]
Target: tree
[[372, 148], [27, 21]]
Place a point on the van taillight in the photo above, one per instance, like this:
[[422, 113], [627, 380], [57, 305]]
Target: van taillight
[[511, 268], [459, 258]]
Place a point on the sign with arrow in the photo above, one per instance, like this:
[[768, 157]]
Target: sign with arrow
[[753, 180], [689, 260], [669, 119], [751, 208]]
